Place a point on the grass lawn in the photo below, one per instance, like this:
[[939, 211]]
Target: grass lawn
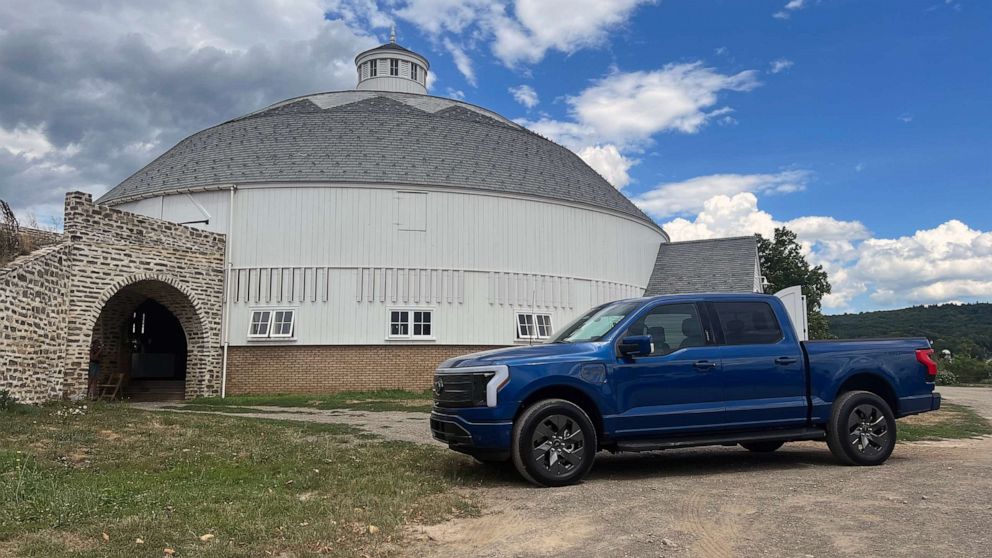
[[384, 400], [97, 482], [951, 421]]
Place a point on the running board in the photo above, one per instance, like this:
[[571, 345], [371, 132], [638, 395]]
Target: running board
[[790, 435]]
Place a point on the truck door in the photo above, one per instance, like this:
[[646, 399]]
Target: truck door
[[677, 388], [764, 377]]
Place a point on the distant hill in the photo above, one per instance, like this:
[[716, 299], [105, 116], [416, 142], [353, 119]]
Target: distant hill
[[964, 328]]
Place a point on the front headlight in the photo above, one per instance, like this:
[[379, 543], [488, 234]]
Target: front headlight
[[476, 386]]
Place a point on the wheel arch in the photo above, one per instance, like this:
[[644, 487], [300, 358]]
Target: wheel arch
[[569, 393], [872, 382]]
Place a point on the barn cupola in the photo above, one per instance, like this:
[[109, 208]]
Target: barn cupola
[[390, 67]]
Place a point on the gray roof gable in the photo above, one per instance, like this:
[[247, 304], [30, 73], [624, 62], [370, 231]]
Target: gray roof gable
[[720, 265], [377, 137]]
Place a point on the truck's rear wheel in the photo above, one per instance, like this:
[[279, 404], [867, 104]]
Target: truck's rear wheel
[[554, 443], [862, 429]]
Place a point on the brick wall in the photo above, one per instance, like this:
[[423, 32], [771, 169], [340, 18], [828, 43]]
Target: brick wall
[[330, 368], [54, 302], [33, 295]]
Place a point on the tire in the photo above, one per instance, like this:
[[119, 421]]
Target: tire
[[762, 447], [554, 443], [862, 429]]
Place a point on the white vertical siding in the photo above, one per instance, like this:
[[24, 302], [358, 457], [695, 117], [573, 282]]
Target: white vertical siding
[[342, 256]]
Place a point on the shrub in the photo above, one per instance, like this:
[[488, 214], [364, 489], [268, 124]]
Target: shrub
[[7, 400], [946, 378], [969, 370]]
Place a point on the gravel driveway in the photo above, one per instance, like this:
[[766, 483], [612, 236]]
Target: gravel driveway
[[929, 499]]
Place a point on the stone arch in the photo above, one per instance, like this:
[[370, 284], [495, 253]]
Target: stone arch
[[105, 317]]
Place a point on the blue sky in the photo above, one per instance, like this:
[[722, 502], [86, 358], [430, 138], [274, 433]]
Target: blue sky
[[861, 125]]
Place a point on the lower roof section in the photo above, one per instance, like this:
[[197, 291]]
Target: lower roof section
[[719, 265]]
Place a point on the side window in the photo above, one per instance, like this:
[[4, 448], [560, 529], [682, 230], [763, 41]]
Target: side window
[[272, 324], [534, 326], [671, 327], [411, 324], [748, 323]]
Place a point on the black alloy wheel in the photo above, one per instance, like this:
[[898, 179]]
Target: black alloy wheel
[[862, 429], [554, 443]]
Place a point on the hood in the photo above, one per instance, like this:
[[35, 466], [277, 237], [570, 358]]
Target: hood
[[516, 356]]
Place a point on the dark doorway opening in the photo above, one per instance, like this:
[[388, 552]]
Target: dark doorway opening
[[157, 349]]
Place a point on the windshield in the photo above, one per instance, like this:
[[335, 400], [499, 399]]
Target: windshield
[[596, 323]]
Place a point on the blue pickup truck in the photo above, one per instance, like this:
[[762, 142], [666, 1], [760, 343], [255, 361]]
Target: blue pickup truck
[[679, 371]]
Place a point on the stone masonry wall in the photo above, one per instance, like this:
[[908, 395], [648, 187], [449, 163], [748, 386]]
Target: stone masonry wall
[[180, 267], [330, 368], [33, 312], [53, 301]]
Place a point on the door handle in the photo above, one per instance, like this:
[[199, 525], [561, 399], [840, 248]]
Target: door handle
[[786, 360], [703, 365]]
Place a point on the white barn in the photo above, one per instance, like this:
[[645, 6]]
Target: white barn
[[373, 233]]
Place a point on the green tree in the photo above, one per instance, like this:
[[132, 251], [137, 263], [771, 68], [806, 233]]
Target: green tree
[[783, 265]]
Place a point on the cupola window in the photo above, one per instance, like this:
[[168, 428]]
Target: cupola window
[[372, 68], [394, 67]]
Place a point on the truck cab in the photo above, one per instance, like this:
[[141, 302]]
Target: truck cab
[[677, 371]]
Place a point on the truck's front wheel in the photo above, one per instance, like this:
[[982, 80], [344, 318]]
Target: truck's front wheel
[[554, 443], [862, 429]]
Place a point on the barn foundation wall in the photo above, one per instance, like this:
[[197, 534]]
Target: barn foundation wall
[[332, 368]]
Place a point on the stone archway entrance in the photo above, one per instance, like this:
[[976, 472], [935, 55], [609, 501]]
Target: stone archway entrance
[[151, 333]]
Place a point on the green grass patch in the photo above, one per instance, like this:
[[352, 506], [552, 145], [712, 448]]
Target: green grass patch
[[951, 421], [255, 487], [383, 400]]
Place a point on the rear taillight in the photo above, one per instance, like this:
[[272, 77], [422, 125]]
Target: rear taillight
[[925, 357]]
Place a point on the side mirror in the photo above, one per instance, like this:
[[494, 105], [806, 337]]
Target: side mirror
[[636, 346]]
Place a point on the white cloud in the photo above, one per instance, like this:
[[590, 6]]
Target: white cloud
[[525, 30], [946, 263], [453, 93], [625, 110], [791, 6], [563, 25], [98, 89], [780, 65], [462, 61], [689, 196], [525, 95], [608, 162], [632, 106], [905, 118], [30, 143]]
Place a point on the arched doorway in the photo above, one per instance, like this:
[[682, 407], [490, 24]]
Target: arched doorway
[[150, 339]]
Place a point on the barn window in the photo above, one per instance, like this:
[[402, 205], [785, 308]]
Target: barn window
[[272, 324], [411, 324], [413, 72], [372, 68], [394, 67], [534, 326]]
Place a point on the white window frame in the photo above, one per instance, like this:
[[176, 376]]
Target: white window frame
[[533, 324], [394, 65], [409, 324], [270, 324]]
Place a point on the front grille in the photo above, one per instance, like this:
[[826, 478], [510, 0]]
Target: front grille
[[450, 433], [461, 390]]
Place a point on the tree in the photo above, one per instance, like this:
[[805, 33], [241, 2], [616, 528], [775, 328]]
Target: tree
[[783, 265], [10, 237]]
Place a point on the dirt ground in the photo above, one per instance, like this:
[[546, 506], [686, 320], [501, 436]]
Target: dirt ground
[[929, 499]]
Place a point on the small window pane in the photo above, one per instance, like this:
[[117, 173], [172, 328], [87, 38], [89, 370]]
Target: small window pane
[[372, 68], [413, 72], [422, 324], [399, 323], [748, 323], [259, 324], [394, 67], [525, 326], [543, 325], [282, 324]]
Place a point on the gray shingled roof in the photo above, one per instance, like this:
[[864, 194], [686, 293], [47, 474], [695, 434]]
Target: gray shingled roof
[[721, 265], [376, 137]]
